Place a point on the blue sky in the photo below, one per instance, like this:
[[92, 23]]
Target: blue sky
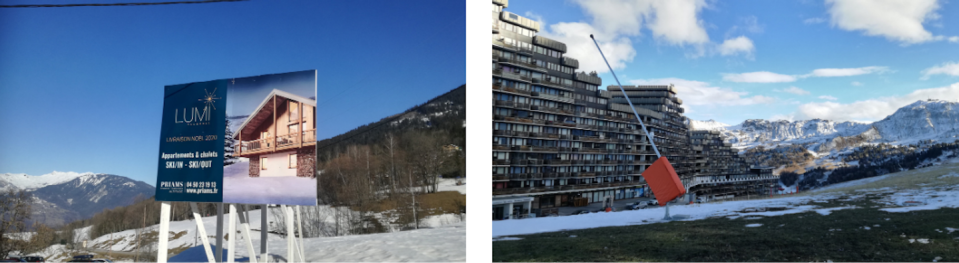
[[846, 60], [81, 88]]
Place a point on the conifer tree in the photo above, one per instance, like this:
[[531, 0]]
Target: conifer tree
[[229, 145]]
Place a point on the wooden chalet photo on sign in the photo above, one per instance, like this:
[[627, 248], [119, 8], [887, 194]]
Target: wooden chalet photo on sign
[[279, 137]]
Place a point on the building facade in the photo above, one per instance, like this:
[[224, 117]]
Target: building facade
[[279, 137], [559, 140]]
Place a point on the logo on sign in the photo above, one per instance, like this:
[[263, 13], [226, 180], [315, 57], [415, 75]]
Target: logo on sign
[[195, 116]]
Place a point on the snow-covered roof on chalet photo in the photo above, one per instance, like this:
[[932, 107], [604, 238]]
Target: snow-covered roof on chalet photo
[[267, 101]]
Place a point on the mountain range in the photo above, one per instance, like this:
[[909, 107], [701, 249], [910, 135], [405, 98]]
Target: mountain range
[[62, 197], [935, 120], [444, 113]]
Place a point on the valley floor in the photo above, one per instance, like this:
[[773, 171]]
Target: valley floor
[[907, 216]]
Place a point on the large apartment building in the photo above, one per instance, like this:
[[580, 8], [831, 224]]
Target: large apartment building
[[559, 140]]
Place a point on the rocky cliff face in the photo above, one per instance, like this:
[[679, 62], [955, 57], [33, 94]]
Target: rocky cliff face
[[923, 120]]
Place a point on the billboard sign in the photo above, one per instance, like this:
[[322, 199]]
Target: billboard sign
[[244, 140]]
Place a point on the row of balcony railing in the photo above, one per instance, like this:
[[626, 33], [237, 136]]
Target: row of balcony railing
[[530, 148], [527, 64], [539, 189], [526, 106], [569, 162], [276, 142], [551, 97], [700, 180]]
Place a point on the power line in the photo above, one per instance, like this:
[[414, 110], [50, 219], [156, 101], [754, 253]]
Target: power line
[[122, 4]]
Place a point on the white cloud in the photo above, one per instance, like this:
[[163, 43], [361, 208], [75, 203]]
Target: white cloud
[[614, 22], [781, 117], [771, 77], [896, 20], [845, 72], [947, 68], [749, 24], [814, 20], [954, 39], [618, 50], [794, 90], [871, 109], [856, 83], [737, 45], [827, 97], [698, 93], [535, 16], [675, 22], [758, 77]]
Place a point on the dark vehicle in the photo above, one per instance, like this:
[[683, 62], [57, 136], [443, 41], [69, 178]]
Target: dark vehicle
[[82, 258], [580, 212], [33, 259]]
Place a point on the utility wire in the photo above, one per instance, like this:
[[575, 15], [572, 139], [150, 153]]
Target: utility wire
[[121, 4]]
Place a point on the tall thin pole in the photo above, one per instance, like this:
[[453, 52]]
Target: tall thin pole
[[625, 96], [650, 137], [290, 246], [144, 225], [415, 221], [164, 232], [263, 231], [201, 230], [219, 233], [299, 228], [231, 230]]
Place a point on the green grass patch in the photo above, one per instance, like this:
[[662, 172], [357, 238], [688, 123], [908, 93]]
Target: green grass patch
[[839, 236], [912, 179]]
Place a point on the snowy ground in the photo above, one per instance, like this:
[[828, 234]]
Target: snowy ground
[[442, 238], [240, 188], [934, 188], [444, 244], [445, 184]]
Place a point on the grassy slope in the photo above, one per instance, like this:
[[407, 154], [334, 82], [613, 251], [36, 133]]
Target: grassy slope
[[797, 237]]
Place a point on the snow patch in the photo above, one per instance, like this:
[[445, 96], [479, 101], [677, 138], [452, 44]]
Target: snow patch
[[950, 174], [827, 211], [30, 182]]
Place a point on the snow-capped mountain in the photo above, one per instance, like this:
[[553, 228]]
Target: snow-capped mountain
[[759, 132], [29, 182], [936, 120], [922, 120], [61, 197]]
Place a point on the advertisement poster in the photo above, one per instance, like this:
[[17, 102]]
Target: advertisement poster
[[191, 142], [266, 142]]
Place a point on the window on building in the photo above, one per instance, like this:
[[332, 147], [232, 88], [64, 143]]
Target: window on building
[[292, 161], [262, 163], [293, 129], [294, 111], [266, 135]]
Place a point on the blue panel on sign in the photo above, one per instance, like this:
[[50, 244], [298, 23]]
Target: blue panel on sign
[[190, 167]]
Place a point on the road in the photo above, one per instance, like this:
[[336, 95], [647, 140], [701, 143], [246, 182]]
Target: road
[[114, 253]]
